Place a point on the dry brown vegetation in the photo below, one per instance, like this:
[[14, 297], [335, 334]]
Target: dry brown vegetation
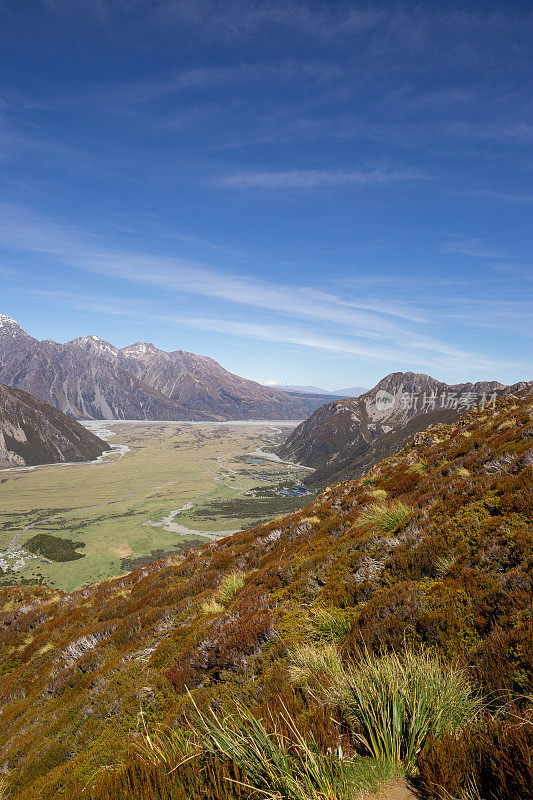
[[453, 575]]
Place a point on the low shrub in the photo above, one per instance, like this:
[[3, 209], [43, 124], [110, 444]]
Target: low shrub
[[204, 778], [493, 757], [503, 664], [227, 645]]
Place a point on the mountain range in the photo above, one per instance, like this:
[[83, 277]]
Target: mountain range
[[346, 437], [92, 379], [33, 432]]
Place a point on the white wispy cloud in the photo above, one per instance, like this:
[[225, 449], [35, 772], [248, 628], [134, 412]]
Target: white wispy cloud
[[314, 178], [29, 232], [399, 351], [415, 354], [373, 329], [475, 248]]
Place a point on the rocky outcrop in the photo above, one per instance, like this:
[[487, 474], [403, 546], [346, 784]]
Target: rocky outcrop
[[32, 432]]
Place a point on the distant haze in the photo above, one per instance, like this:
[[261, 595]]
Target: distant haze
[[354, 391]]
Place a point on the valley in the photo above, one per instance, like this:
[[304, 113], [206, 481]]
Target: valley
[[163, 488]]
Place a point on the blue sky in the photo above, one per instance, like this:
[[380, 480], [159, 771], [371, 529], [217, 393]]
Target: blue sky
[[307, 192]]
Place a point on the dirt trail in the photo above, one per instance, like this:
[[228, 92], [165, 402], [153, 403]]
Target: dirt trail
[[399, 790]]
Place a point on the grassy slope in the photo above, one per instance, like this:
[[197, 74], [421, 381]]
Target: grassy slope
[[455, 573]]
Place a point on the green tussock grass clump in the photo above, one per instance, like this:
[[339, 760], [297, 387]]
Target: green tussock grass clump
[[378, 494], [164, 746], [272, 767], [443, 565], [229, 586], [224, 594], [330, 624], [392, 702], [367, 479], [384, 518], [278, 762], [420, 468]]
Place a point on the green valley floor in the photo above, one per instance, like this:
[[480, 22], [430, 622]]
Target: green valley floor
[[165, 488]]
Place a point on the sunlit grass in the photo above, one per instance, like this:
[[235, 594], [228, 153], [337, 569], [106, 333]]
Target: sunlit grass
[[420, 468], [384, 518], [378, 494], [391, 702], [229, 586], [211, 606], [329, 624]]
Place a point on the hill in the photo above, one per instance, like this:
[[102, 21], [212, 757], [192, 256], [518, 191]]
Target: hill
[[346, 437], [287, 387], [32, 432], [92, 379], [433, 548], [352, 391], [310, 400]]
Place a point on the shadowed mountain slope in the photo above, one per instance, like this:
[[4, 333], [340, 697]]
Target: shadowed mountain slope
[[32, 432], [434, 546], [344, 438]]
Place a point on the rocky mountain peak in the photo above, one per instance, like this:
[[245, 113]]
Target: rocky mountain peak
[[139, 349], [407, 381], [94, 344], [90, 378], [10, 327], [343, 439]]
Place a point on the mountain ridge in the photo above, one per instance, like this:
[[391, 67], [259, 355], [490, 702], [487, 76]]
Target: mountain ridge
[[344, 438], [90, 378], [351, 391]]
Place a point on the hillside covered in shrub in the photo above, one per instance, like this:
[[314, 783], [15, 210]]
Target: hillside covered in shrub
[[420, 573]]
